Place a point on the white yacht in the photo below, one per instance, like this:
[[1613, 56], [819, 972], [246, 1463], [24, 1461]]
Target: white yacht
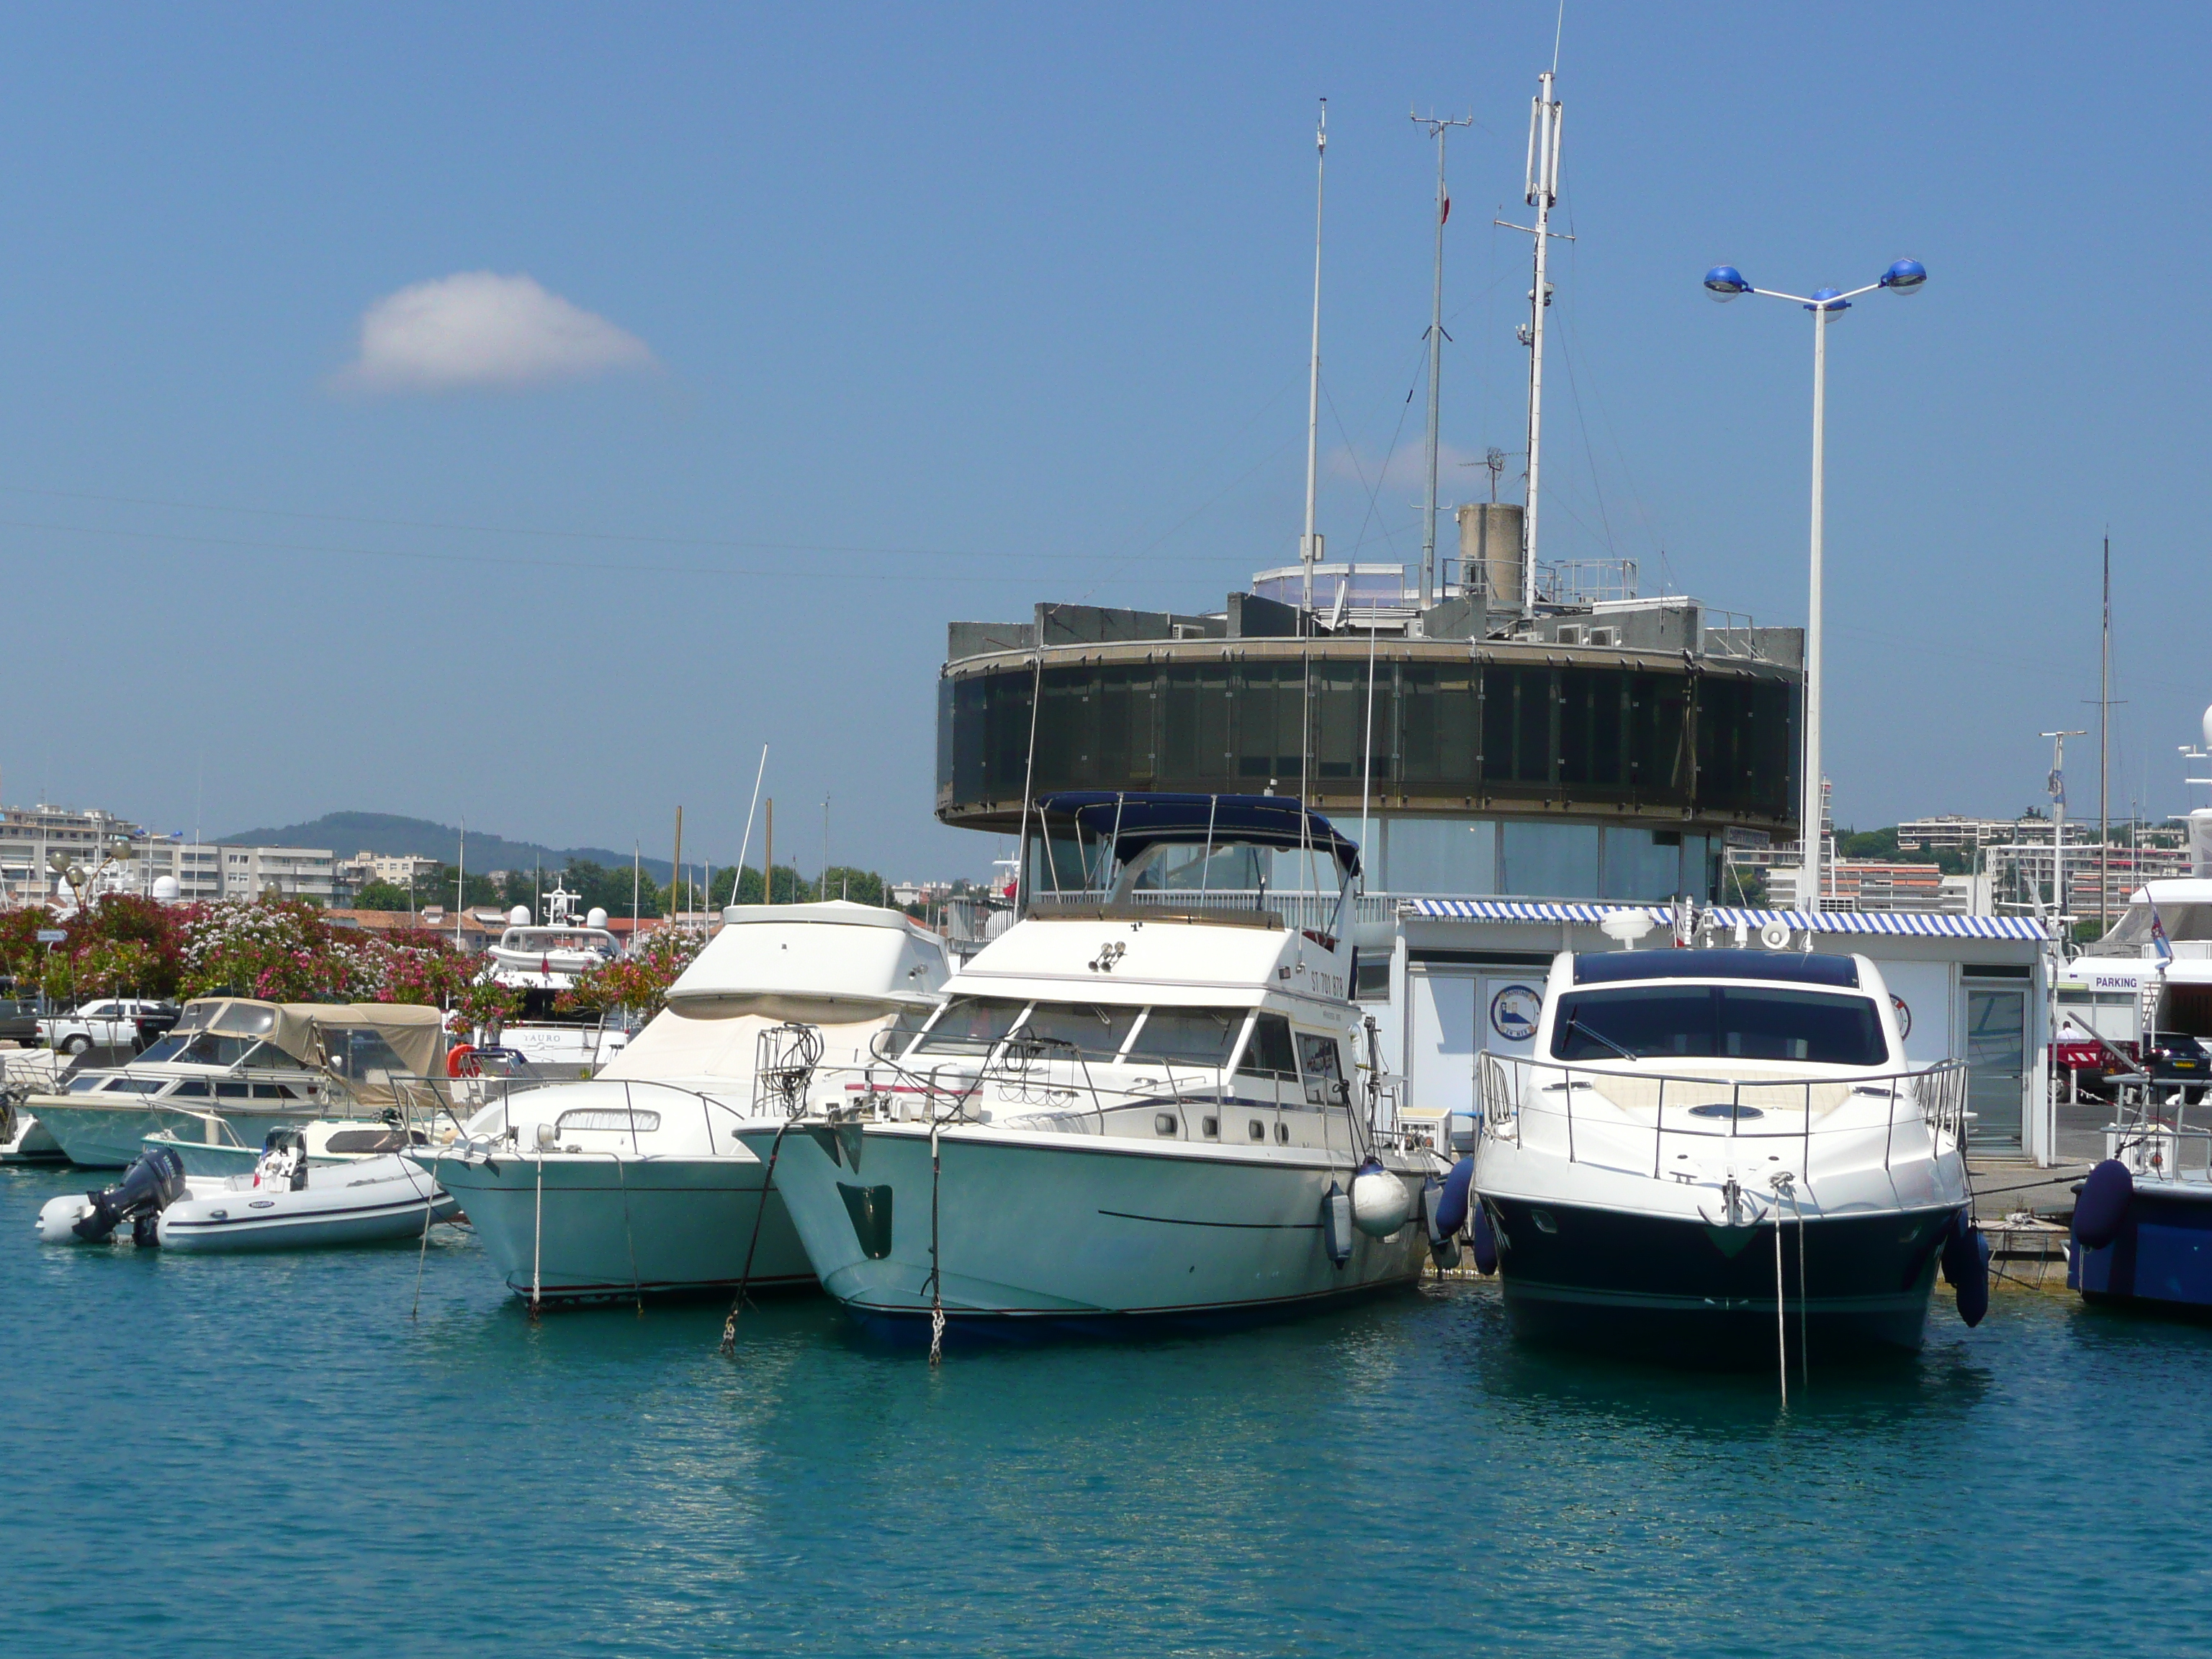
[[254, 1065], [541, 961], [635, 1184], [1137, 1103], [1714, 1151]]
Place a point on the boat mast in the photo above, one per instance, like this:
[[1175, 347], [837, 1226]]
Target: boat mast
[[1438, 126], [2103, 751], [1309, 544]]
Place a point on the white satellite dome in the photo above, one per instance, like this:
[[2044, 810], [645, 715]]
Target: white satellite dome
[[166, 891], [519, 916], [598, 918], [2208, 728]]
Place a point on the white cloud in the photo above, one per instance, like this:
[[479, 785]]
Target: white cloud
[[1460, 476], [477, 330]]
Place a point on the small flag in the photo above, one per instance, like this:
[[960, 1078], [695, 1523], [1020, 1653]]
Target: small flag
[[1445, 216], [2158, 938]]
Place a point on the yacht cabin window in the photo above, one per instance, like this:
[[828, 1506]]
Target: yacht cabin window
[[1092, 1031], [1324, 1069], [1187, 1036], [1269, 1052], [1718, 1022], [971, 1026]]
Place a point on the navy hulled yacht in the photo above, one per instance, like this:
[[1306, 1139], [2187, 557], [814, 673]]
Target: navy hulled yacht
[[1715, 1153]]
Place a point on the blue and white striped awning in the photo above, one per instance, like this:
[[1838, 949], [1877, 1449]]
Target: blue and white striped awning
[[1906, 923]]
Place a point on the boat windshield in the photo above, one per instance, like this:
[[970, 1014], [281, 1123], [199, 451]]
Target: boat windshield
[[1718, 1022], [1094, 1030], [1188, 1036], [2133, 930], [971, 1026], [207, 1049]]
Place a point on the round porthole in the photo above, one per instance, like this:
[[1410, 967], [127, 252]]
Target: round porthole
[[1722, 1108], [1163, 1122], [1259, 1129], [1543, 1220], [1283, 1134], [1210, 1127]]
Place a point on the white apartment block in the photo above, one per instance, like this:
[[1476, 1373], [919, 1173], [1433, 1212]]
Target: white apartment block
[[122, 857], [398, 869]]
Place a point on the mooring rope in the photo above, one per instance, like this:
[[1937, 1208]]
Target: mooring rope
[[1781, 1319], [936, 1267], [537, 1234], [422, 1251], [636, 1288], [745, 1283]]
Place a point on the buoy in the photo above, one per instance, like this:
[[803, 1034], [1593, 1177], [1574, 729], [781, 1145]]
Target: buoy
[[1336, 1224], [2101, 1210], [1485, 1242], [1380, 1205], [1451, 1205], [461, 1062]]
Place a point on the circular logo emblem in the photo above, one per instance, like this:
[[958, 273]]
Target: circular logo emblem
[[1904, 1015], [1514, 1013]]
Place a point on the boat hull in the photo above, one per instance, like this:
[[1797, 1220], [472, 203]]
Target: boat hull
[[32, 1143], [584, 1228], [2162, 1258], [376, 1201], [107, 1137], [1685, 1290], [1043, 1233]]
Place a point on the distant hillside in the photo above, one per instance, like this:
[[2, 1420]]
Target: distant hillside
[[348, 833]]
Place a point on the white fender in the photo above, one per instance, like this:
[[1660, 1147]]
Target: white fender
[[1380, 1203]]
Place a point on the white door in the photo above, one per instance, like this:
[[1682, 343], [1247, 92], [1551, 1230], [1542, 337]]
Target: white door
[[1441, 1042]]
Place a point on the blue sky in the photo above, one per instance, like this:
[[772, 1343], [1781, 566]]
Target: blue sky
[[843, 322]]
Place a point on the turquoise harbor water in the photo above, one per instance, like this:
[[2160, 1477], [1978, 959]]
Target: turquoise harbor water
[[228, 1454]]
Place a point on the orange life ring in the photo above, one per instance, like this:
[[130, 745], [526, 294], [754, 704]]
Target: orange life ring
[[461, 1062]]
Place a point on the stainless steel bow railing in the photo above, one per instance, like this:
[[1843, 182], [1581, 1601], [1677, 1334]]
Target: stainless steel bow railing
[[1707, 1109]]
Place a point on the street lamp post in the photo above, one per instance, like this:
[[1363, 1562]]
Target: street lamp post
[[1724, 282]]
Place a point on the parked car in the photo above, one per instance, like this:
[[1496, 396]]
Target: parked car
[[19, 1020], [108, 1023]]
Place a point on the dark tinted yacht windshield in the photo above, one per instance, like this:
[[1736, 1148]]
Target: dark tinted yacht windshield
[[1718, 1022]]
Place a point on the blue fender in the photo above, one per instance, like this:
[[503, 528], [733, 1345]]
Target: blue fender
[[1485, 1242], [2101, 1210], [1451, 1203]]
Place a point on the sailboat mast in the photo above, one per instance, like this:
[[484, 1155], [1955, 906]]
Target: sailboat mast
[[2104, 752], [1309, 544]]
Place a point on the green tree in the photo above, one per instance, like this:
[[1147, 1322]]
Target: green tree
[[382, 896]]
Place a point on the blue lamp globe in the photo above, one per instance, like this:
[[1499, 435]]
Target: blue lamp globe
[[1905, 277], [1724, 282], [1824, 299]]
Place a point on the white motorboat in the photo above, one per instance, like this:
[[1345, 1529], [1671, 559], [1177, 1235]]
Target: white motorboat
[[284, 1203], [1713, 1153], [542, 961], [256, 1064], [1137, 1104], [635, 1184], [23, 1139]]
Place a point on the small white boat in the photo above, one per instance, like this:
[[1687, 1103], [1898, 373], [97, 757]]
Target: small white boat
[[284, 1204], [23, 1139]]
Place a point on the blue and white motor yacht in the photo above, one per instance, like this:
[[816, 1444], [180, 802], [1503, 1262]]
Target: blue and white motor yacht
[[1719, 1156]]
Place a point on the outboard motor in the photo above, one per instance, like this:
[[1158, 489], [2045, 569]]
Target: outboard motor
[[149, 1187], [283, 1165]]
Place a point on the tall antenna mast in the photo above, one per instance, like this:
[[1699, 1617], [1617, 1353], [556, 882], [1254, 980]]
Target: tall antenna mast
[[1438, 127], [1543, 190], [1309, 544]]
